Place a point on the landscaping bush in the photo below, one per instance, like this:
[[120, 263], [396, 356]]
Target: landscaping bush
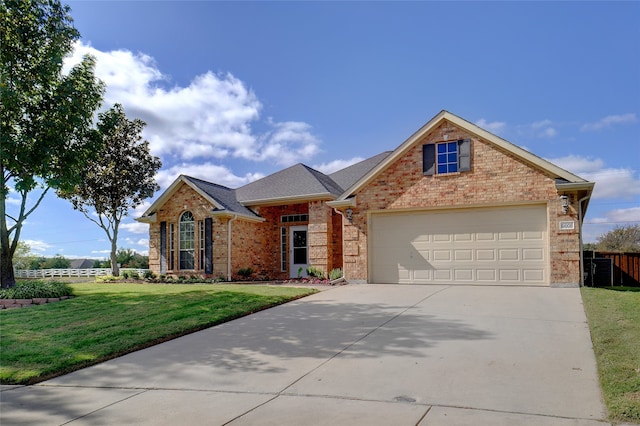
[[245, 272], [108, 279], [335, 274], [314, 272], [36, 289]]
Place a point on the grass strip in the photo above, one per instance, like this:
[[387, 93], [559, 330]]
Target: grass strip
[[614, 319], [108, 320]]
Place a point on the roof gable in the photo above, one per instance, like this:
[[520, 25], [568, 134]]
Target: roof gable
[[349, 175], [295, 182], [469, 127], [222, 199]]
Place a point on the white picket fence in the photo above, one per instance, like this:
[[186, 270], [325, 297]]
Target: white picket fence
[[68, 272]]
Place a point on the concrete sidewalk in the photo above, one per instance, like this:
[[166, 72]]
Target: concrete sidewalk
[[352, 355]]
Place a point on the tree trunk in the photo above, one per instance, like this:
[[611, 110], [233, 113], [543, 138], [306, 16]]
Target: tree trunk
[[115, 270], [7, 278]]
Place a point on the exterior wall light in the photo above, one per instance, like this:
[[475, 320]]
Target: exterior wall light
[[349, 214], [564, 200]]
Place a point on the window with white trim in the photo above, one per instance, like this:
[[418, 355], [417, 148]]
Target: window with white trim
[[446, 157], [283, 249], [186, 241]]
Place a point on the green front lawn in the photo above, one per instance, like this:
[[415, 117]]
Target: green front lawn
[[108, 320], [614, 320]]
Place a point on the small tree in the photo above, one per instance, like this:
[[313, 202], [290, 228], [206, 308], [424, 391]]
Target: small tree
[[56, 262], [621, 239], [22, 256], [120, 178], [45, 117]]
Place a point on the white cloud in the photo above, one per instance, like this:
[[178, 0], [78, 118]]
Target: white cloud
[[206, 171], [209, 118], [335, 165], [494, 126], [577, 164], [101, 251], [614, 217], [289, 143], [544, 129], [609, 121], [135, 227], [610, 182], [36, 245]]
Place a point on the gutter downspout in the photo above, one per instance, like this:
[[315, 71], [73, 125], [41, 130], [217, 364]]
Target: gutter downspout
[[235, 216], [580, 245], [344, 217]]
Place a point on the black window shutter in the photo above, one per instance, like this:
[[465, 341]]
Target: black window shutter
[[208, 246], [163, 247], [464, 155], [428, 159]]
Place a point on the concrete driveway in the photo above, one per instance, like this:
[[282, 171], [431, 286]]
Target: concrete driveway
[[351, 355]]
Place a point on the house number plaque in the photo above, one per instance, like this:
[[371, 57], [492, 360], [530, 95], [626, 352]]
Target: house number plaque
[[567, 225]]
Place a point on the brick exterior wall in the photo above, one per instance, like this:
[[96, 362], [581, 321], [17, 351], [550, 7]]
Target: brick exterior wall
[[255, 245], [496, 178], [186, 199]]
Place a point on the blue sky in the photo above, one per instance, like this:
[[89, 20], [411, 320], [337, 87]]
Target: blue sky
[[233, 91]]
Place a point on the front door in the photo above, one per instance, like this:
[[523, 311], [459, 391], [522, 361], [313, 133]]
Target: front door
[[299, 252]]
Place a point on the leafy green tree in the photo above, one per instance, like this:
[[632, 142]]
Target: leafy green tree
[[621, 239], [56, 262], [22, 256], [36, 262], [124, 256], [139, 261], [118, 179], [46, 116], [128, 258], [100, 263]]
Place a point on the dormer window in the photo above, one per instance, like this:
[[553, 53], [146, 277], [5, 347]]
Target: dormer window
[[446, 157]]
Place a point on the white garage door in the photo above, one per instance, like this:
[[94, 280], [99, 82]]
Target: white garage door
[[506, 245]]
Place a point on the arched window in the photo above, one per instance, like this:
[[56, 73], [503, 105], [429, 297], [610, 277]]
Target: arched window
[[187, 241]]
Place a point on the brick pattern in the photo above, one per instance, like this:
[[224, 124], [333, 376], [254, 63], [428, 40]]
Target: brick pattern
[[24, 303], [496, 177], [254, 245]]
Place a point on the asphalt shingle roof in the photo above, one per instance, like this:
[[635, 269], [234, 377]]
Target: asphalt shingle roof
[[295, 181], [346, 177], [298, 180], [223, 195]]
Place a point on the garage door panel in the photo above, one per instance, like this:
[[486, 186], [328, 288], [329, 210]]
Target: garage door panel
[[442, 275], [463, 274], [496, 245], [511, 275], [533, 275], [486, 275], [508, 254], [507, 236], [461, 238], [533, 235], [486, 255], [532, 254], [485, 236], [462, 255]]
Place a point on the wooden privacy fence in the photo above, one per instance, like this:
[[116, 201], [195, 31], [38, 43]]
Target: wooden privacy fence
[[68, 272], [626, 266]]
